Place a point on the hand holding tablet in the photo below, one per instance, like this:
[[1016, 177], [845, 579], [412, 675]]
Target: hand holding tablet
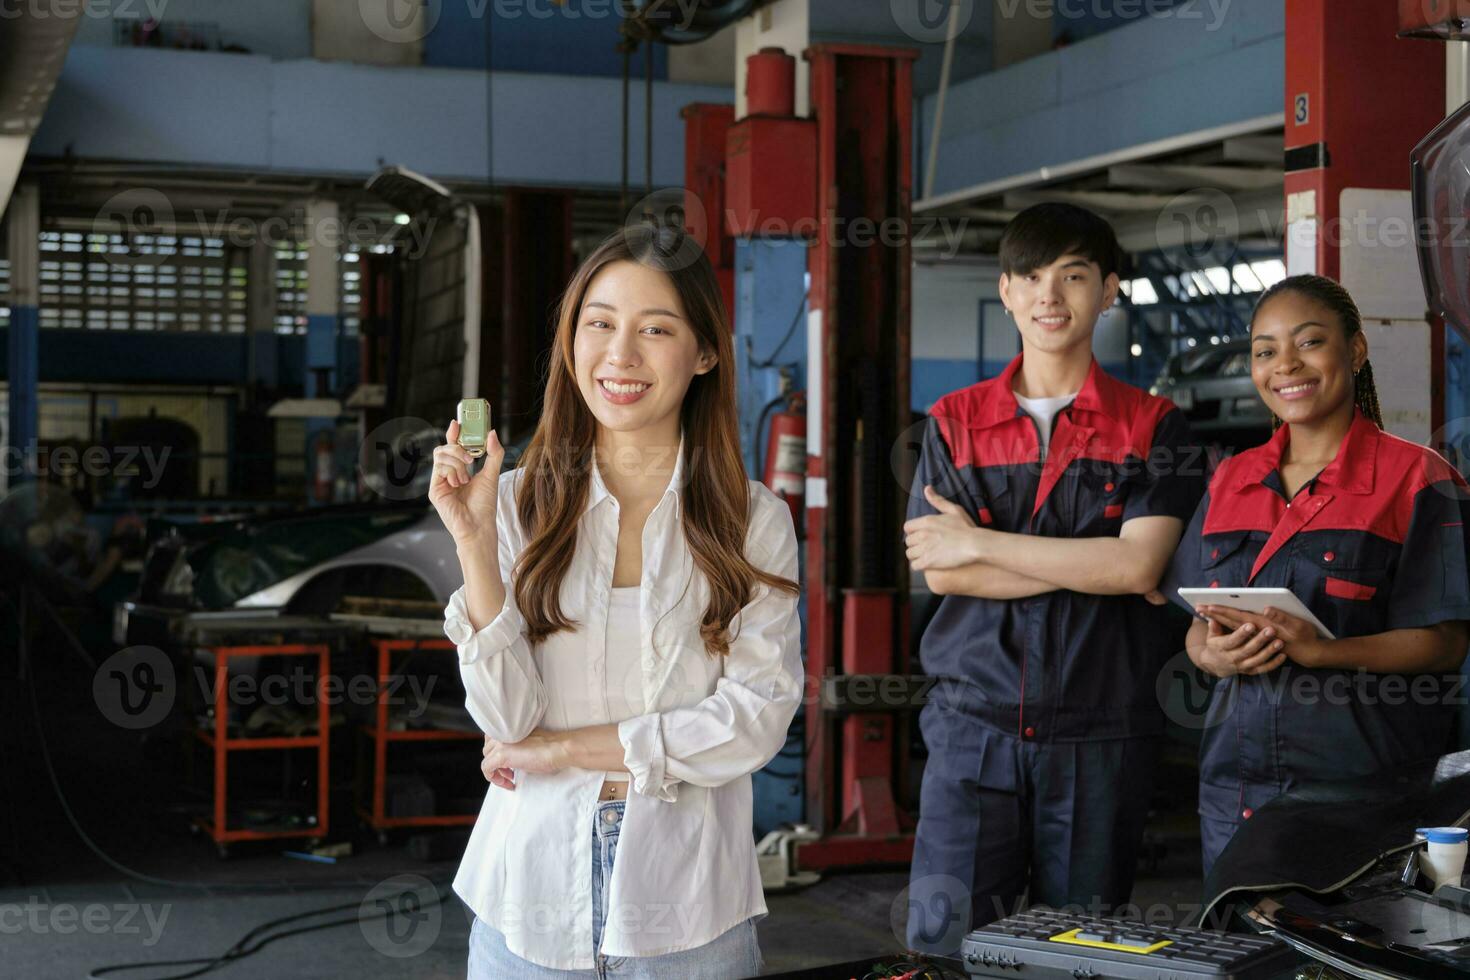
[[1255, 600]]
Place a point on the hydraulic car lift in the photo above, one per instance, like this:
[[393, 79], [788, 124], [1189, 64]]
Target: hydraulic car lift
[[853, 219]]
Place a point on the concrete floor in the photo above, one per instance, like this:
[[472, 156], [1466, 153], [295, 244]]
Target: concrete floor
[[70, 930], [64, 912]]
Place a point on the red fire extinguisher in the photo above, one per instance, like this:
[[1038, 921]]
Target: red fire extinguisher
[[785, 470], [325, 465]]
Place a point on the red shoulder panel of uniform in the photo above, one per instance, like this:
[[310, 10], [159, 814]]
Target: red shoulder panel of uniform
[[1135, 414]]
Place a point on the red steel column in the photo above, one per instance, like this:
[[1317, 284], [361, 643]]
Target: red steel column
[[858, 366], [1358, 99]]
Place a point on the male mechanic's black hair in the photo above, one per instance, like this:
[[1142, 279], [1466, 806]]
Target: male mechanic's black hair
[[1331, 294], [1043, 233]]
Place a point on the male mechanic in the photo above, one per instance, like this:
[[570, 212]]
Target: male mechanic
[[1045, 508]]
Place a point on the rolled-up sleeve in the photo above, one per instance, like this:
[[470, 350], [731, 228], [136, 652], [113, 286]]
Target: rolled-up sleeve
[[741, 726], [503, 689]]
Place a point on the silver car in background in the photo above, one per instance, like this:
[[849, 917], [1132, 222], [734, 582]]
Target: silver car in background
[[1212, 387]]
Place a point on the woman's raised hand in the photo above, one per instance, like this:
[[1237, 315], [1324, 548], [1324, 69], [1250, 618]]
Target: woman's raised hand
[[466, 504]]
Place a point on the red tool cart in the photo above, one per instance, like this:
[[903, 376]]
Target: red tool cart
[[223, 639], [382, 736]]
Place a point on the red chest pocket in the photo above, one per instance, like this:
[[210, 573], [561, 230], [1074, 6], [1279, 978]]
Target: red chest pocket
[[1344, 589]]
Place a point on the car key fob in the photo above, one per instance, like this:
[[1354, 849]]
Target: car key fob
[[474, 425]]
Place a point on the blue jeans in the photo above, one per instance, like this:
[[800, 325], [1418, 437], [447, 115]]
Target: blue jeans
[[733, 955]]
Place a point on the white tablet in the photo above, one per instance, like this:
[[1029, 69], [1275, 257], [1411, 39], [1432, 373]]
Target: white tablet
[[1256, 601]]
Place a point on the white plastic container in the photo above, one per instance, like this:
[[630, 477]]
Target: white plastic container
[[1444, 858]]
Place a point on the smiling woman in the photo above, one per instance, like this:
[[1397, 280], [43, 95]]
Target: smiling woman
[[1298, 361], [628, 639], [1368, 531]]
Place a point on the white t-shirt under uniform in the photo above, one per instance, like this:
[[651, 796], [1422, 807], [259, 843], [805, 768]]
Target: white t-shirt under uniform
[[1043, 410]]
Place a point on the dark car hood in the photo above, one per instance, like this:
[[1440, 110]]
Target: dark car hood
[[236, 557]]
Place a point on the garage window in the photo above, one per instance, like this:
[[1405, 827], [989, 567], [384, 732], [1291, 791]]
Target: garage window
[[110, 281]]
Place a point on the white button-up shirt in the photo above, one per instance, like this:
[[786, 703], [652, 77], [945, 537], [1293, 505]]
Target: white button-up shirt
[[686, 869]]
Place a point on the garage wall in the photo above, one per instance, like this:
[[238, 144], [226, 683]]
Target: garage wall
[[946, 318], [276, 28], [1149, 80], [255, 114]]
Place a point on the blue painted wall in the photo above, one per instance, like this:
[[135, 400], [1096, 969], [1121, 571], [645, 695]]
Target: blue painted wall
[[578, 38], [1150, 80], [126, 357], [140, 357], [1081, 19], [770, 295], [931, 378], [255, 114], [275, 28]]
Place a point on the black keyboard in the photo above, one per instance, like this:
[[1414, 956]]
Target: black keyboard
[[1043, 943]]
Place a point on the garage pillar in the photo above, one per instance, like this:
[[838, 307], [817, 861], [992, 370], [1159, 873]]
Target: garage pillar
[[22, 228], [323, 288], [1349, 213], [323, 241]]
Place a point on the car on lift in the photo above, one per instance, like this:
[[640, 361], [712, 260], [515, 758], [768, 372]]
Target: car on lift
[[1212, 387], [394, 553], [296, 562]]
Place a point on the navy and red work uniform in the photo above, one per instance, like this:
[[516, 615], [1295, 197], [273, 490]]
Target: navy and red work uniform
[[1043, 723], [1375, 542]]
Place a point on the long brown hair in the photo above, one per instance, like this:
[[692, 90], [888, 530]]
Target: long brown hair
[[715, 498], [1332, 295]]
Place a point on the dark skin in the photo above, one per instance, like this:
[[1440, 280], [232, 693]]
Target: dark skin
[[1302, 364]]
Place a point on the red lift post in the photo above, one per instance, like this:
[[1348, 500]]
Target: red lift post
[[858, 385], [1348, 127], [706, 125]]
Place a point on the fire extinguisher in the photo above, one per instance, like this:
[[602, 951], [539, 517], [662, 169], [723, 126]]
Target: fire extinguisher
[[785, 470], [325, 464]]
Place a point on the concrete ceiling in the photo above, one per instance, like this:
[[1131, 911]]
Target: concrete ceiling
[[33, 45], [1229, 186]]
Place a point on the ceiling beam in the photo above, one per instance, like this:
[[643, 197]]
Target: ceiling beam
[[1255, 149], [1250, 215], [1152, 176], [1100, 200]]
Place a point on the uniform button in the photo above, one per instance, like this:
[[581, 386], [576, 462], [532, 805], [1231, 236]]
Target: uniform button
[[1215, 584], [1214, 552], [1328, 556], [1108, 487], [1030, 732], [1246, 813]]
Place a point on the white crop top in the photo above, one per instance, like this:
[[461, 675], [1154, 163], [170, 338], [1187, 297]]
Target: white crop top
[[623, 660]]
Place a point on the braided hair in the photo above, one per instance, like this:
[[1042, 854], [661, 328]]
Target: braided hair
[[1330, 294]]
